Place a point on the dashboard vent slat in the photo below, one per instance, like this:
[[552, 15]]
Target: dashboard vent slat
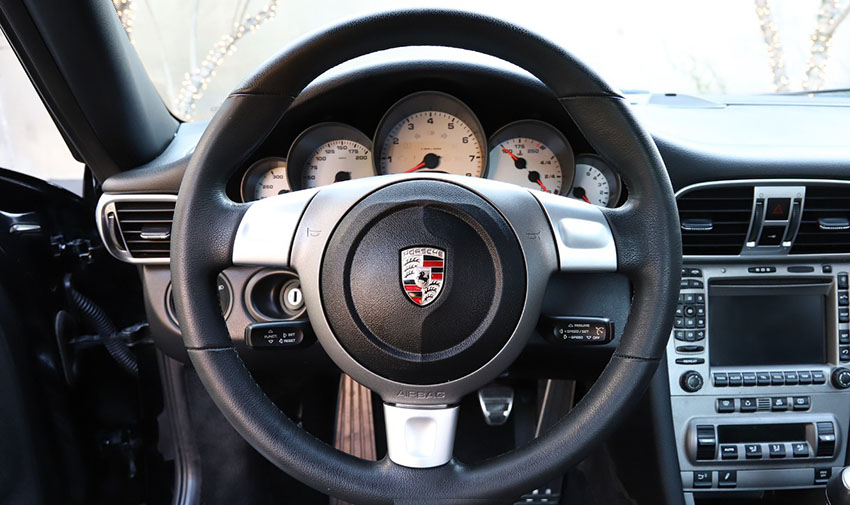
[[728, 211], [138, 226], [822, 230]]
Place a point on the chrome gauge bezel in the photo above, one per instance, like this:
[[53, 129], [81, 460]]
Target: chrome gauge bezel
[[544, 133], [614, 184], [424, 101], [248, 184], [306, 143]]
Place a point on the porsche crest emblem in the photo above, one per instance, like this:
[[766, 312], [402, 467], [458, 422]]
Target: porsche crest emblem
[[423, 273]]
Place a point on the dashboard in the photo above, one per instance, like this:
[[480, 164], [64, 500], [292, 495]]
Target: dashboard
[[434, 132], [756, 372]]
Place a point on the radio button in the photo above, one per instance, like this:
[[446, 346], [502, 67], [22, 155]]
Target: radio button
[[818, 377], [802, 403], [752, 451], [727, 478], [735, 379], [779, 404], [800, 450], [702, 479], [822, 475], [725, 405], [776, 451], [721, 380], [706, 442], [749, 378], [748, 405], [805, 378], [777, 378], [690, 348], [790, 378], [689, 361], [763, 378], [728, 452], [826, 439]]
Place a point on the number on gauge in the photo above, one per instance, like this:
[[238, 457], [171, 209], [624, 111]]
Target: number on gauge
[[532, 154], [431, 132]]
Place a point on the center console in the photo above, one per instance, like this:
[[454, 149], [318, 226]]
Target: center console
[[757, 379]]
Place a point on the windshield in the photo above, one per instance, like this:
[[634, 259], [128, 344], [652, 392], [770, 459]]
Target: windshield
[[197, 51]]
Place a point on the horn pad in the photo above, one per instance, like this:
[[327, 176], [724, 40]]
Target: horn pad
[[423, 282]]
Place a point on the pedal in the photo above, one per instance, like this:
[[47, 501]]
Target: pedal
[[496, 403]]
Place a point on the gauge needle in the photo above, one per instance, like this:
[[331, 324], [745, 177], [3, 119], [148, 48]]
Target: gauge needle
[[534, 176], [579, 192], [430, 160], [519, 163]]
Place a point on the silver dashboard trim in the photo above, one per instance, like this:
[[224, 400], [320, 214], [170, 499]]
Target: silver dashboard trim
[[106, 206], [725, 258]]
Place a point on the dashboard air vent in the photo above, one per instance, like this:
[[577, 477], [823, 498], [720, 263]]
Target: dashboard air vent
[[137, 228], [825, 226], [715, 220]]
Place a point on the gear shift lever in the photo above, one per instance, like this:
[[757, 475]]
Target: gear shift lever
[[838, 488]]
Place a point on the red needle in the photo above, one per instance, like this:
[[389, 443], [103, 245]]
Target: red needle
[[585, 198], [417, 167], [542, 186], [510, 154]]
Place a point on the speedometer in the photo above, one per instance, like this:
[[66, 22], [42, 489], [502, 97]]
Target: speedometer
[[328, 153], [431, 132]]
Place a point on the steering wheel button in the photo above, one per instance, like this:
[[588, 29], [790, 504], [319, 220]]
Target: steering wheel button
[[281, 334]]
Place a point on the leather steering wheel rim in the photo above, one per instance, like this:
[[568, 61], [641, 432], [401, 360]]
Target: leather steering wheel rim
[[645, 228]]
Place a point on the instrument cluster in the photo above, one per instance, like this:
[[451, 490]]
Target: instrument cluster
[[432, 131]]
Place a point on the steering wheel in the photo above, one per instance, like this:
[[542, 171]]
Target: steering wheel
[[493, 246]]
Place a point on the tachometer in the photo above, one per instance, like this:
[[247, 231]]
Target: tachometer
[[266, 177], [328, 153], [532, 154], [595, 181], [431, 132]]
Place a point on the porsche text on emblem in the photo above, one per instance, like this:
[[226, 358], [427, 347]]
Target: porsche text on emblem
[[422, 273]]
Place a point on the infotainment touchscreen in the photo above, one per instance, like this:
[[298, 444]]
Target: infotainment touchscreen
[[750, 326]]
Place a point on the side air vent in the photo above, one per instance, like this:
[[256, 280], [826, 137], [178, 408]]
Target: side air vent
[[715, 220], [825, 226], [137, 228]]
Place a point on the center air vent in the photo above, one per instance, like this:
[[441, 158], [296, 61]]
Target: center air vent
[[715, 220], [825, 227], [137, 228]]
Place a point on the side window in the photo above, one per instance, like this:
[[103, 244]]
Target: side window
[[30, 143]]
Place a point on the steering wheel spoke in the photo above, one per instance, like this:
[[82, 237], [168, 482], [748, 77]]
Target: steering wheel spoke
[[418, 436], [583, 235], [265, 234]]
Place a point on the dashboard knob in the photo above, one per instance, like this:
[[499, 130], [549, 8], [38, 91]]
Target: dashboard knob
[[841, 378], [691, 381]]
